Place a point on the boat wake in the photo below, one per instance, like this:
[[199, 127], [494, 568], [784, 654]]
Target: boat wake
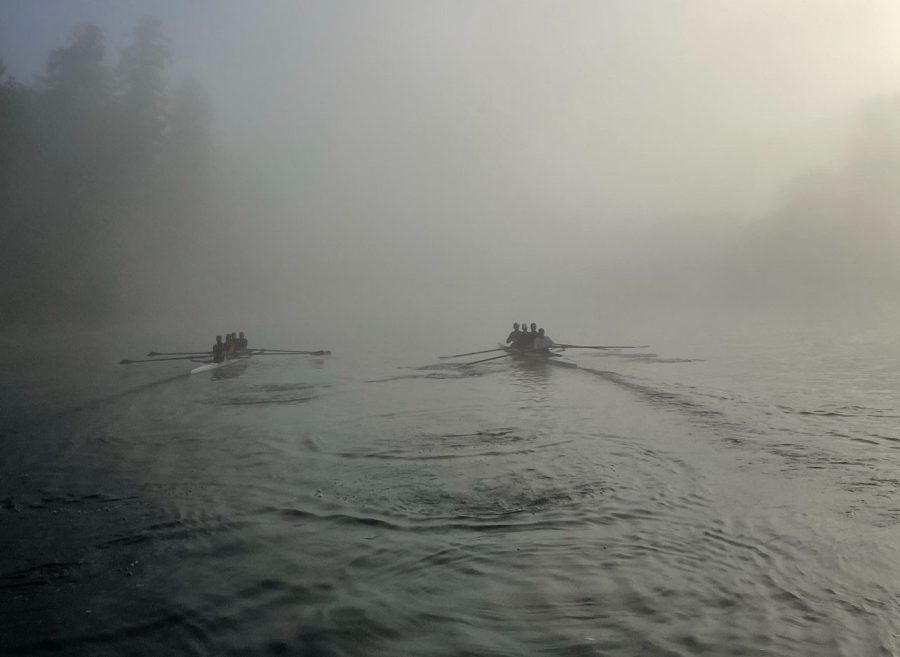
[[665, 398]]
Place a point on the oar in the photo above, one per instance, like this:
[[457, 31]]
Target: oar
[[125, 361], [473, 353], [268, 352], [584, 346], [484, 360], [290, 351], [179, 353]]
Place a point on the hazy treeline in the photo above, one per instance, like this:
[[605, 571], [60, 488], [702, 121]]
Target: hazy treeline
[[835, 236], [347, 187], [104, 172]]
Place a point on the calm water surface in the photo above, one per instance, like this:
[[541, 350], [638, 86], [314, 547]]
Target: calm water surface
[[721, 496]]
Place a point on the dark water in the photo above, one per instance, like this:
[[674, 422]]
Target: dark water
[[717, 497]]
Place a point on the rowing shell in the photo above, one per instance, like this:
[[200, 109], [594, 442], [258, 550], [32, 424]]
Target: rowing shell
[[540, 357], [209, 366]]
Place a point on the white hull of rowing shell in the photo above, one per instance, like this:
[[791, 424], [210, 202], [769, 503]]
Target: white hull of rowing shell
[[208, 367]]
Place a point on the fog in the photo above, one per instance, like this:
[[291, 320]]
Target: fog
[[395, 167]]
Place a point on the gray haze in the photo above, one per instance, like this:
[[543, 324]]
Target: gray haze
[[406, 164]]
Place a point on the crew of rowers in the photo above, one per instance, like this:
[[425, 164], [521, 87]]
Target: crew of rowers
[[235, 343], [534, 340]]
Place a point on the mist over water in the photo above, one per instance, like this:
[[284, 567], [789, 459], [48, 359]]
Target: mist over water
[[399, 181], [397, 160]]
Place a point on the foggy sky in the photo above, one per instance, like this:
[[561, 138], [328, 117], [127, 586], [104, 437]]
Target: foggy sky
[[473, 158]]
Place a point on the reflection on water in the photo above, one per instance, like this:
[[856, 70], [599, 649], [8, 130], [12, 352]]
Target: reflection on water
[[531, 379], [676, 504], [231, 371]]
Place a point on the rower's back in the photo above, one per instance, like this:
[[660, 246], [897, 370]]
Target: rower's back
[[218, 350], [523, 341]]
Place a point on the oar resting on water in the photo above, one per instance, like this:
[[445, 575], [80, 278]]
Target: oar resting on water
[[585, 346], [484, 360], [288, 352], [125, 361], [473, 353], [257, 352]]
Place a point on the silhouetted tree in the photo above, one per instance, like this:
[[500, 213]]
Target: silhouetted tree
[[101, 173], [75, 74], [188, 141], [140, 83]]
